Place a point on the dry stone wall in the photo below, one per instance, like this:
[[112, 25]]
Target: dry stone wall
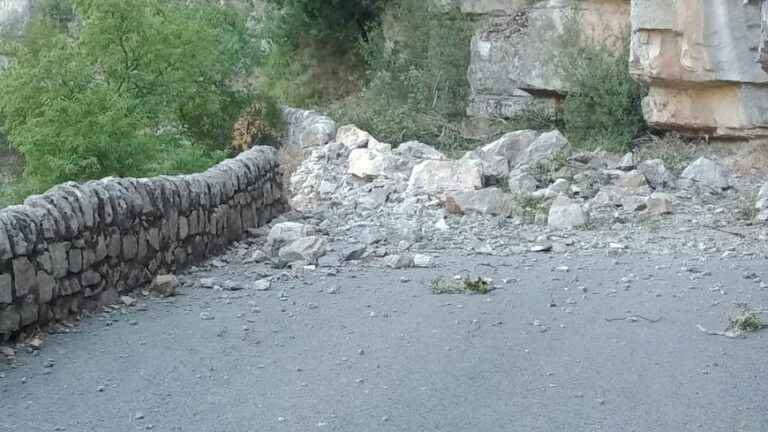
[[82, 245]]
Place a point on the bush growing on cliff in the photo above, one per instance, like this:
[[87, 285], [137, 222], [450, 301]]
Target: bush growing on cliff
[[603, 108], [137, 88]]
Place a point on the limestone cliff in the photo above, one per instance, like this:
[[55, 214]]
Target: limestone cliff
[[704, 61], [700, 61]]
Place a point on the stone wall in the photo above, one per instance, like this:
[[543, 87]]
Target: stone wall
[[700, 59], [81, 245]]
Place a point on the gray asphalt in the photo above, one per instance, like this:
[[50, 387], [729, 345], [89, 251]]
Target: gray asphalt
[[385, 354]]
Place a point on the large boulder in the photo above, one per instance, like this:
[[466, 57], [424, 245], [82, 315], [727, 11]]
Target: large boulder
[[436, 177], [321, 176], [559, 187], [609, 196], [164, 285], [707, 173], [307, 249], [633, 182], [659, 204], [521, 182], [494, 167], [657, 174], [285, 232], [546, 145], [501, 155], [489, 201], [369, 164], [509, 146], [352, 137], [566, 213]]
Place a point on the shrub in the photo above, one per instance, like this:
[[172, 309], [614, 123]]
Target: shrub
[[309, 53], [312, 75], [134, 88], [603, 105], [258, 125], [417, 78]]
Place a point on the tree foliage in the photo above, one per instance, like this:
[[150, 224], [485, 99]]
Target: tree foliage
[[114, 87], [337, 21], [417, 76]]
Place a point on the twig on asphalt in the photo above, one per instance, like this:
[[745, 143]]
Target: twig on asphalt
[[739, 235], [634, 318]]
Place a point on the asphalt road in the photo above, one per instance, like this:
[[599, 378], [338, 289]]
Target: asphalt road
[[372, 349]]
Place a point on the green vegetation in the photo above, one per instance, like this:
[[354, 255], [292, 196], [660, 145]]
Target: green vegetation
[[458, 285], [528, 207], [108, 87], [309, 48], [550, 169], [603, 108], [675, 150], [400, 75], [747, 319]]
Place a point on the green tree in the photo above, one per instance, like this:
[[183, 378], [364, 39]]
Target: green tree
[[309, 51], [126, 89], [340, 21]]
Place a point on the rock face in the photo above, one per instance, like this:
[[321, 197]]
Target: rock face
[[698, 58], [514, 49], [705, 61]]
